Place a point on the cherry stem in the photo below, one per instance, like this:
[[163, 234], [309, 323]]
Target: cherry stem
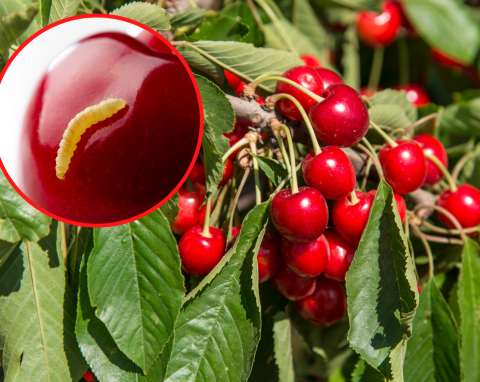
[[376, 70], [256, 16], [373, 156], [418, 123], [443, 211], [404, 61], [292, 158], [192, 4], [458, 167], [218, 206], [279, 138], [368, 166], [242, 142], [424, 241], [206, 224], [384, 135], [276, 97], [311, 94], [441, 167], [235, 201], [63, 233], [353, 197], [284, 181], [445, 231], [256, 174]]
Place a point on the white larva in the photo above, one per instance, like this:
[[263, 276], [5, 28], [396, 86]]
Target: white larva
[[78, 125]]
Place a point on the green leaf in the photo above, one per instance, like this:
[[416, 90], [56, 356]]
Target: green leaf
[[62, 9], [395, 97], [108, 363], [148, 14], [6, 250], [471, 169], [189, 18], [9, 6], [433, 352], [282, 337], [217, 332], [76, 248], [135, 282], [469, 302], [170, 208], [240, 58], [45, 7], [12, 26], [381, 287], [277, 171], [37, 318], [392, 116], [445, 24], [462, 119], [241, 11], [18, 219], [305, 20], [219, 119], [223, 28], [363, 372], [351, 58]]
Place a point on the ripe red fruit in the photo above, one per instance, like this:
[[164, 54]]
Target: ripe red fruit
[[341, 256], [379, 29], [119, 167], [432, 146], [326, 305], [330, 172], [341, 119], [89, 376], [268, 258], [404, 166], [239, 130], [197, 175], [329, 77], [200, 254], [236, 230], [292, 286], [399, 201], [189, 212], [306, 259], [227, 173], [350, 219], [463, 204], [415, 94], [300, 217], [309, 79], [232, 79], [311, 60]]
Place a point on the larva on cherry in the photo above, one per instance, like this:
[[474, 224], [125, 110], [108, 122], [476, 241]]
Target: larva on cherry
[[78, 125]]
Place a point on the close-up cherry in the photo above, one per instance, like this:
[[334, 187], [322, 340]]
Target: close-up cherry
[[350, 218], [415, 94], [330, 172], [326, 305], [463, 204], [292, 286], [329, 77], [311, 60], [299, 217], [189, 204], [268, 258], [432, 146], [399, 201], [197, 175], [227, 173], [200, 253], [379, 29], [240, 128], [309, 79], [232, 79], [404, 166], [341, 119], [306, 259], [341, 255]]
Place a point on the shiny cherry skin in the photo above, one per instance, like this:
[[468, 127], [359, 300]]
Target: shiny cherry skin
[[268, 258], [124, 165], [326, 305], [227, 173], [415, 94], [200, 254], [463, 204], [236, 230], [351, 219], [300, 217], [197, 175], [399, 201], [329, 77], [306, 259], [404, 166], [309, 79], [341, 119], [89, 376], [379, 29], [330, 172], [341, 255], [432, 146], [232, 79], [311, 60], [239, 130], [292, 286], [189, 204]]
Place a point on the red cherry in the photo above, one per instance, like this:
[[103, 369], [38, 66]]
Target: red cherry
[[197, 175], [309, 79], [89, 376], [227, 173], [399, 201], [432, 146], [239, 130], [306, 259], [350, 219], [326, 305], [415, 94], [300, 217], [341, 256], [379, 29], [365, 91], [404, 166], [232, 79], [330, 172], [124, 165], [189, 213], [463, 204], [341, 119], [405, 21], [236, 230], [200, 254], [329, 77], [268, 258], [311, 60], [292, 286], [447, 60], [420, 288]]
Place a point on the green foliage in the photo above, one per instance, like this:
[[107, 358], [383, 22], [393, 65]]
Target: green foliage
[[462, 118], [189, 18], [12, 26], [390, 116], [45, 7], [396, 98], [148, 14], [241, 11], [8, 7], [282, 337], [223, 28], [170, 208], [62, 9]]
